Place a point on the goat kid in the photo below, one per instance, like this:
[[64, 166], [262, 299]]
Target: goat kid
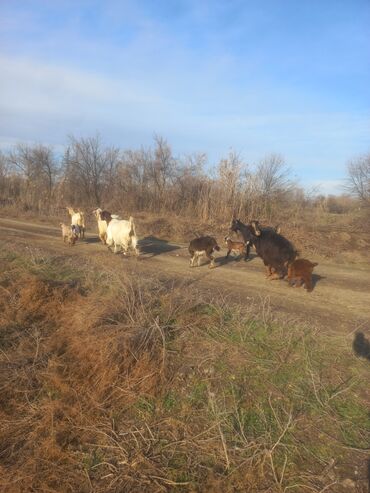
[[300, 272], [238, 247], [69, 234]]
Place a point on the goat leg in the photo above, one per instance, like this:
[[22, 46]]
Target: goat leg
[[247, 251], [268, 271], [308, 283], [212, 259]]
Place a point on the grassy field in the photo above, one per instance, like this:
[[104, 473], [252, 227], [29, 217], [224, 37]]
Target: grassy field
[[115, 384]]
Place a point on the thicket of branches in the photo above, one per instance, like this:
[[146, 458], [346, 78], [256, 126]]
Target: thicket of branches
[[89, 174], [358, 180]]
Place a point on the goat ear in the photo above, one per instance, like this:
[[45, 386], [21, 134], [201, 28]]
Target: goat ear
[[256, 228], [278, 229]]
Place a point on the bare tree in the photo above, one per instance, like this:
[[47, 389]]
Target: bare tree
[[37, 166], [3, 176], [190, 179], [229, 175], [88, 170], [358, 180], [133, 190], [162, 170], [272, 181]]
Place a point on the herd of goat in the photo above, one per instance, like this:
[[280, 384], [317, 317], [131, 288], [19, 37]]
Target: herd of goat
[[277, 252]]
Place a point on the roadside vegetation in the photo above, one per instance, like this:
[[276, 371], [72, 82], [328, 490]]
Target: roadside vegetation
[[176, 198], [113, 383]]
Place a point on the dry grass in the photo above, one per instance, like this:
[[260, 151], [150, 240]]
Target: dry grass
[[115, 385]]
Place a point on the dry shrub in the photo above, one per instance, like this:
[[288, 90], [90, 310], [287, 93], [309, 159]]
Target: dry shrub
[[73, 364], [135, 386]]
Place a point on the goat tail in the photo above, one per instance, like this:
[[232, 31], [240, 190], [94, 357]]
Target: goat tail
[[132, 225]]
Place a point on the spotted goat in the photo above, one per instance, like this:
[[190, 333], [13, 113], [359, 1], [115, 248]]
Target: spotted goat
[[203, 246]]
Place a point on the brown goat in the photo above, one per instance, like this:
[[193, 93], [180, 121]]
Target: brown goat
[[235, 246], [300, 272]]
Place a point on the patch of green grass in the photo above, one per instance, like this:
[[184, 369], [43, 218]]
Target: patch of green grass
[[354, 419], [7, 256], [43, 266], [204, 309], [320, 449], [50, 392], [198, 394], [170, 401], [145, 407], [92, 459]]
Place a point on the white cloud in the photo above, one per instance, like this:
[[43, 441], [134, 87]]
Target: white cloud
[[40, 101], [36, 86]]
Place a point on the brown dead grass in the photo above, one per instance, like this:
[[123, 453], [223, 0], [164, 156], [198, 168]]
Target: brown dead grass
[[69, 362], [129, 385]]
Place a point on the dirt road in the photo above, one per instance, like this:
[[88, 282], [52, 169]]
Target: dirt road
[[340, 301]]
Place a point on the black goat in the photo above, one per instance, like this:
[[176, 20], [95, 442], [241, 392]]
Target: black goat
[[361, 345], [205, 245], [249, 243], [275, 250]]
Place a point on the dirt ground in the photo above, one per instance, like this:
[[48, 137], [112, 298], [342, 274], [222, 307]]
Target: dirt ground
[[340, 301]]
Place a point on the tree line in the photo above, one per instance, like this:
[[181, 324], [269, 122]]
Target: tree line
[[89, 174]]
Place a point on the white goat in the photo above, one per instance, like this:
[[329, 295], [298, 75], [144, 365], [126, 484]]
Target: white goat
[[77, 219], [102, 225], [121, 234]]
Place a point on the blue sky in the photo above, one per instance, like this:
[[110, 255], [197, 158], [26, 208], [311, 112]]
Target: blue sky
[[287, 77]]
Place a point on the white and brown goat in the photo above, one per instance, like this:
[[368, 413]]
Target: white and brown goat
[[204, 245]]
